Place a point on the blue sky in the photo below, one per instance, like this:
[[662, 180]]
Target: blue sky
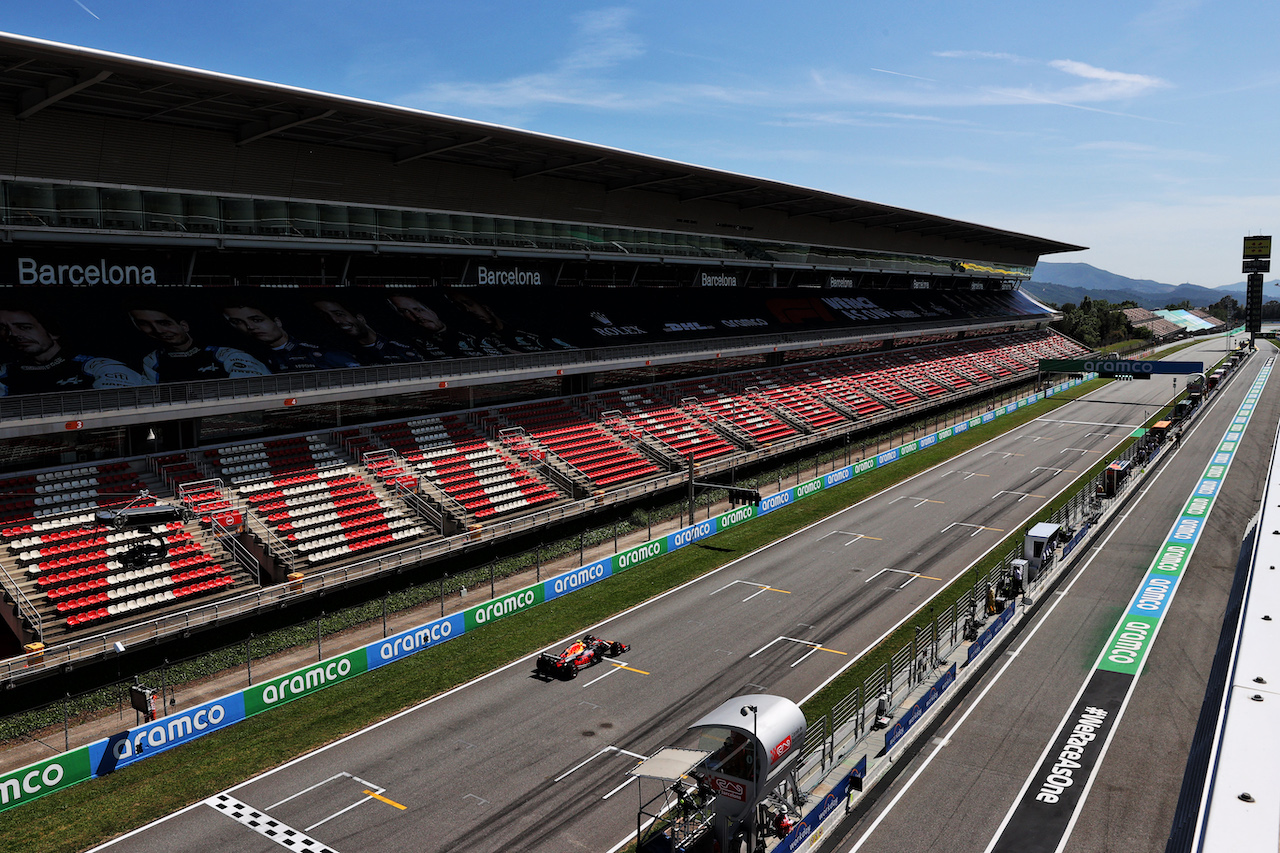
[[1145, 131]]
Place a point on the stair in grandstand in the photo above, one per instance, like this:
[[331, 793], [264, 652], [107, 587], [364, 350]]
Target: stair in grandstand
[[533, 454], [475, 473], [778, 404], [77, 572], [695, 409], [309, 504], [396, 476], [663, 425], [580, 441], [615, 424], [873, 392]]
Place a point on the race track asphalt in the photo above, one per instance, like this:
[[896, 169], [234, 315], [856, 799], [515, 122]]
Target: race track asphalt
[[959, 788]]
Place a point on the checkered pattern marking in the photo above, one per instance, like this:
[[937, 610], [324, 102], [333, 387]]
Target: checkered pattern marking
[[267, 826]]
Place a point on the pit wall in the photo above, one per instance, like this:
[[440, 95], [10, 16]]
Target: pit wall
[[128, 747]]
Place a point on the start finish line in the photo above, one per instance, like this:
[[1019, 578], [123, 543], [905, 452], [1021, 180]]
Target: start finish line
[[1119, 367]]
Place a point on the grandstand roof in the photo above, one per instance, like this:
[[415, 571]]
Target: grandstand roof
[[37, 75]]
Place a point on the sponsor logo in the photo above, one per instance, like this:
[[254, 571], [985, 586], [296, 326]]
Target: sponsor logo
[[781, 749], [838, 476], [1171, 559], [774, 501], [414, 639], [1188, 529], [732, 790], [744, 324], [515, 276], [618, 331], [1129, 643], [686, 327], [1152, 596], [859, 308], [805, 489], [639, 554], [171, 731], [582, 577], [692, 534], [306, 681], [504, 606], [864, 466], [44, 778], [32, 272], [886, 457], [735, 516]]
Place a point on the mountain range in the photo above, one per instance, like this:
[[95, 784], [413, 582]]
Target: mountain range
[[1063, 283]]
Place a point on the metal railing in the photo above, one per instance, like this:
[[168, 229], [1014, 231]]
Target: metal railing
[[26, 610], [71, 405]]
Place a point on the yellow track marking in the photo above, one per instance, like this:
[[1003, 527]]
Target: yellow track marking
[[385, 800], [629, 668], [833, 651]]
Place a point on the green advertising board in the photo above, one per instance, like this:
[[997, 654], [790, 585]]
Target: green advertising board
[[516, 602], [303, 682], [639, 554], [45, 777]]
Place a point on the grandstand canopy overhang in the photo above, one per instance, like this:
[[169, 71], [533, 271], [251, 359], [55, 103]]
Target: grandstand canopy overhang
[[123, 103]]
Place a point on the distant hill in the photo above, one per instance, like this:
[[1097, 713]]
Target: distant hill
[[1063, 283], [1086, 277]]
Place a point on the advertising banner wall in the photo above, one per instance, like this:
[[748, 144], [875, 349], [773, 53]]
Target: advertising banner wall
[[515, 602], [143, 741], [405, 643], [44, 777], [574, 579]]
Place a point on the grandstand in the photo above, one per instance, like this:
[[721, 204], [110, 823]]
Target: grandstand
[[345, 337]]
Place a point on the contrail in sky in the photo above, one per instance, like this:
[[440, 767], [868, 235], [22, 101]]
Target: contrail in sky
[[87, 9]]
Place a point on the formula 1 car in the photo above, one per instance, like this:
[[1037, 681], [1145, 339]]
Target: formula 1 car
[[580, 654]]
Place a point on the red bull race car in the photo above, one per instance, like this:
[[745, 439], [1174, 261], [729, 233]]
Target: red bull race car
[[579, 655]]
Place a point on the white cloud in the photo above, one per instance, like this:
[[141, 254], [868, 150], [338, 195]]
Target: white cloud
[[602, 41], [1105, 85]]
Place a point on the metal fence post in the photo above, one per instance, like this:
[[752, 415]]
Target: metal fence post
[[319, 652], [384, 614], [248, 656], [442, 577], [66, 725]]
